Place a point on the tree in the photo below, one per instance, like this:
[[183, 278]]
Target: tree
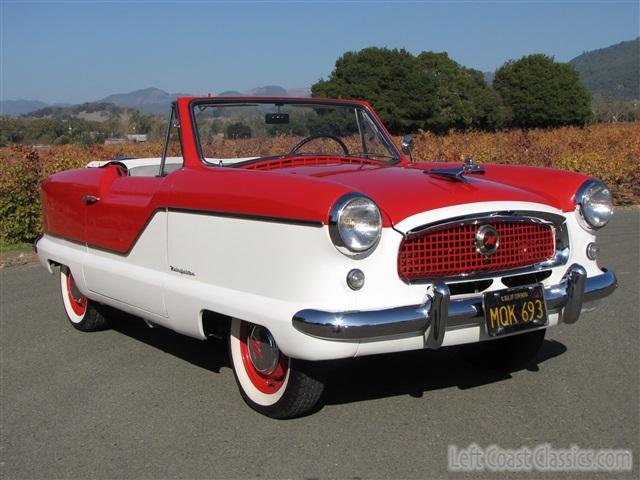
[[389, 79], [542, 92], [62, 140], [43, 130], [427, 92], [12, 130], [139, 122], [238, 130], [463, 100]]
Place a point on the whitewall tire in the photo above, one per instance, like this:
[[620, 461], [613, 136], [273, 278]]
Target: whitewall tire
[[269, 381], [83, 313]]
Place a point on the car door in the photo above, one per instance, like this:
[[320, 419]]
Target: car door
[[126, 243], [126, 235]]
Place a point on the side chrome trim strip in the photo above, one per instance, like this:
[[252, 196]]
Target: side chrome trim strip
[[439, 313], [248, 216]]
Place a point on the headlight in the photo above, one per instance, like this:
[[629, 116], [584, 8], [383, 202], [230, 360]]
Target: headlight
[[595, 205], [355, 224]]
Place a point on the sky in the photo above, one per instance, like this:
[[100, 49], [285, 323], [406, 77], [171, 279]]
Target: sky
[[76, 51]]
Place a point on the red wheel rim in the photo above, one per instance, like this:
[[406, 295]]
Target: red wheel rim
[[266, 383], [79, 303]]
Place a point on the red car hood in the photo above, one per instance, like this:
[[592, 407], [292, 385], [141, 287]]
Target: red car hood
[[402, 191]]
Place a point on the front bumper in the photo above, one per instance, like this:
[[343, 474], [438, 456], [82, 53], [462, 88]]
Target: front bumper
[[439, 312]]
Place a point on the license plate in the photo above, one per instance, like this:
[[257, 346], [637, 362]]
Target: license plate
[[514, 309]]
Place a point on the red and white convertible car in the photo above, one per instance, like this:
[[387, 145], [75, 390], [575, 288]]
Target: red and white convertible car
[[300, 230]]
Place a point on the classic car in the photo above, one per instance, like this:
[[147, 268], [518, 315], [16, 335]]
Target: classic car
[[299, 229]]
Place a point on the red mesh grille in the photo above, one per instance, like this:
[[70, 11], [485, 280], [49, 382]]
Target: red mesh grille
[[307, 161], [452, 251]]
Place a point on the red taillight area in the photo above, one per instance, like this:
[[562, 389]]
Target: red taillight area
[[307, 161], [453, 250]]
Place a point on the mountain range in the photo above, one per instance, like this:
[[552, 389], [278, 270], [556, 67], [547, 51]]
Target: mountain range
[[612, 72], [148, 100], [20, 107]]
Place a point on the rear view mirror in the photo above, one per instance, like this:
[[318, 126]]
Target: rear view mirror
[[276, 118], [407, 145]]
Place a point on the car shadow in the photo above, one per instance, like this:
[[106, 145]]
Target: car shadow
[[417, 372], [366, 378], [211, 354]]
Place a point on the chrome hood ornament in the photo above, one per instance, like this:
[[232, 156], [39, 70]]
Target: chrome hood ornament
[[469, 166]]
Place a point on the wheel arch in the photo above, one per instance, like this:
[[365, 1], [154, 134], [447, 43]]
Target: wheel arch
[[214, 324]]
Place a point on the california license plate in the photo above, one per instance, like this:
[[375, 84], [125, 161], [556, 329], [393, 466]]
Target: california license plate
[[514, 309]]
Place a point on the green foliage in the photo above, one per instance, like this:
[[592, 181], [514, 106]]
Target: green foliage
[[215, 128], [19, 198], [11, 130], [62, 140], [57, 130], [611, 72], [427, 92], [543, 93], [238, 130], [90, 138], [43, 130], [139, 123], [114, 127], [390, 79], [334, 122], [6, 246], [50, 131], [463, 99]]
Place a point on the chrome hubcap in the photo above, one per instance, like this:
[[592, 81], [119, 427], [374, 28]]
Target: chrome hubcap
[[263, 351]]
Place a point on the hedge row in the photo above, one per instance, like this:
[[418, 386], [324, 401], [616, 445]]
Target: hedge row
[[610, 152]]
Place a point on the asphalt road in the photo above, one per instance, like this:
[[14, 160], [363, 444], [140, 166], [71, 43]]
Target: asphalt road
[[139, 403]]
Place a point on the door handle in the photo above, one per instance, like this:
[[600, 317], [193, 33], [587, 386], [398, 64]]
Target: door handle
[[90, 199]]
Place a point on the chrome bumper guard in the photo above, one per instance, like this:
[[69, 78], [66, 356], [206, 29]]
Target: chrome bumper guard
[[438, 312]]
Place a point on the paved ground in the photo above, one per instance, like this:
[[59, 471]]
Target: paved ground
[[139, 403]]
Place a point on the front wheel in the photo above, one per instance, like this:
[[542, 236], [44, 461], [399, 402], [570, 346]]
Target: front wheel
[[270, 382], [508, 354], [84, 314]]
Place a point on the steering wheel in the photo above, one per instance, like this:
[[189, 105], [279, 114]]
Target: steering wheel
[[310, 138]]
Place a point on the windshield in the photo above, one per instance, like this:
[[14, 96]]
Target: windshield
[[240, 133]]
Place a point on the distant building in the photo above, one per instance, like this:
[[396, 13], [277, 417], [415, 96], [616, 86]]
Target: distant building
[[137, 138], [115, 141], [133, 138]]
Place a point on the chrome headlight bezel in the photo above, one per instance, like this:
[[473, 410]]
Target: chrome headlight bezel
[[588, 218], [338, 230]]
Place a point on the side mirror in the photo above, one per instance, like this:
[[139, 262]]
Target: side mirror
[[407, 145]]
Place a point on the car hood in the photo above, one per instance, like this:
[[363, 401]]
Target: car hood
[[402, 191]]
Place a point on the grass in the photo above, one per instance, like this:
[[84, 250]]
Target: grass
[[11, 247]]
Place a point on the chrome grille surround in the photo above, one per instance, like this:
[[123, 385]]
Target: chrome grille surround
[[557, 222]]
